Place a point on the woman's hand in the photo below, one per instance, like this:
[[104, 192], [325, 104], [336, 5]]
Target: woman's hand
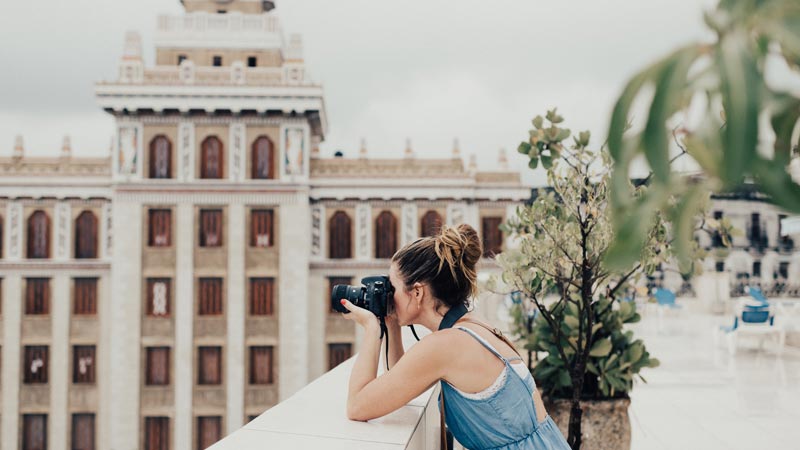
[[360, 316]]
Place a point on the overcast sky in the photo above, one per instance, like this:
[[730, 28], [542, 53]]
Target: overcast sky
[[427, 70]]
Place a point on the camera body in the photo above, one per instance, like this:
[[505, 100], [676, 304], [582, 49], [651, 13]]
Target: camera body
[[375, 295]]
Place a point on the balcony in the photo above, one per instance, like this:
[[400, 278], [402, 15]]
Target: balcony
[[315, 418], [201, 29]]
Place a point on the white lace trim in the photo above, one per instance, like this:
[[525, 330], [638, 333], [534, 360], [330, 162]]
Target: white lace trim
[[521, 370]]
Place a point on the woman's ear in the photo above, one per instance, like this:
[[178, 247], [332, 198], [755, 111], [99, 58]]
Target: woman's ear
[[419, 291]]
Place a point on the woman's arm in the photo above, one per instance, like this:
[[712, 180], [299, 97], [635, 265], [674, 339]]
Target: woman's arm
[[422, 366], [395, 335]]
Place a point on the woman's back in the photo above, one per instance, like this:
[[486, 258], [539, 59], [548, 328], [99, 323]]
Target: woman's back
[[503, 416]]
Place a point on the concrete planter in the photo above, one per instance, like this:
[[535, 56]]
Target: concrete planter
[[605, 424]]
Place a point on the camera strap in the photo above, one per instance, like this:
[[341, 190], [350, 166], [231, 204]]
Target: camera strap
[[450, 318]]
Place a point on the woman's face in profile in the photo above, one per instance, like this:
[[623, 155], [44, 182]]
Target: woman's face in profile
[[404, 308]]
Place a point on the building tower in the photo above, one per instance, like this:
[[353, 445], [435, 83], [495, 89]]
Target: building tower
[[210, 181]]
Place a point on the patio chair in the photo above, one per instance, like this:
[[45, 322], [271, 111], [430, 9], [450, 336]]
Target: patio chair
[[753, 321], [666, 302]]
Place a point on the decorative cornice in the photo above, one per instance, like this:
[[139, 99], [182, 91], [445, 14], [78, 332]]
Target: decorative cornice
[[48, 266]]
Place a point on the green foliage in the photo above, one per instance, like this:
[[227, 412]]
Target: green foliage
[[725, 83]]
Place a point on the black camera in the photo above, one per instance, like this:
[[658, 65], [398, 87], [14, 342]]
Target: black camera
[[375, 295]]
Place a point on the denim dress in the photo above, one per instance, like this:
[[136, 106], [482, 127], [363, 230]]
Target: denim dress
[[506, 419]]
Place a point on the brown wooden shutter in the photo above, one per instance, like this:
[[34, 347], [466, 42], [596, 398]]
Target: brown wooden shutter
[[37, 296], [385, 235], [36, 362], [263, 159], [160, 228], [262, 292], [338, 353], [210, 365], [431, 224], [34, 432], [159, 297], [210, 228], [39, 235], [160, 157], [83, 364], [85, 296], [333, 281], [157, 366], [209, 431], [86, 236], [156, 433], [210, 296], [83, 432], [492, 236], [261, 226], [340, 236], [261, 365], [211, 158]]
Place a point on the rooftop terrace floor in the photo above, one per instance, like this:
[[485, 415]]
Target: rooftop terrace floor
[[704, 398]]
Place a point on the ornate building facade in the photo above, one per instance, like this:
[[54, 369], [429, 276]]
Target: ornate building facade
[[161, 297]]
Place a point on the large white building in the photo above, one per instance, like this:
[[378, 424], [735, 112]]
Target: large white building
[[162, 296]]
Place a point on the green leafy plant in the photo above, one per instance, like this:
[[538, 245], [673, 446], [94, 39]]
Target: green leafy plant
[[568, 296], [724, 85]]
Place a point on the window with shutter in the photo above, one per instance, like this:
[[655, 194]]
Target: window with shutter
[[156, 433], [39, 235], [160, 157], [210, 297], [210, 228], [209, 431], [83, 432], [36, 362], [261, 296], [210, 365], [340, 232], [159, 297], [333, 281], [492, 236], [37, 296], [261, 223], [86, 235], [261, 365], [211, 162], [34, 432], [385, 235], [157, 366], [83, 364], [431, 224], [338, 353], [263, 160], [160, 228], [85, 296]]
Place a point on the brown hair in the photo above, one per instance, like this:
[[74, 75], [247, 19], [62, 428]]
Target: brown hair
[[446, 262]]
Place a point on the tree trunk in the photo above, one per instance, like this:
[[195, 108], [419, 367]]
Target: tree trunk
[[575, 417]]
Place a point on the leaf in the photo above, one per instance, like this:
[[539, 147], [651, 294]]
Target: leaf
[[533, 163], [776, 182], [572, 322], [600, 348], [671, 82], [524, 148], [740, 87], [683, 224], [784, 123]]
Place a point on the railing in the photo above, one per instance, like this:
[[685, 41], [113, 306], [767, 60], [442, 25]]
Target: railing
[[201, 22], [315, 418], [236, 75]]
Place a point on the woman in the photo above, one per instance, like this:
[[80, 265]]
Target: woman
[[490, 398]]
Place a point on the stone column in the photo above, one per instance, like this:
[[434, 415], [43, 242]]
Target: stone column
[[236, 316], [104, 407], [293, 309], [63, 231], [410, 224], [456, 213], [319, 232], [12, 318], [184, 320], [186, 151], [238, 152], [125, 317], [363, 231], [106, 236], [59, 358]]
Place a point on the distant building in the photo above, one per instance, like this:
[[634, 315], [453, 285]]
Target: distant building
[[160, 297]]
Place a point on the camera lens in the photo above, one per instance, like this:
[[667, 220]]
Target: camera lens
[[352, 293]]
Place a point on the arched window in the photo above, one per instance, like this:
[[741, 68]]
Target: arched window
[[211, 158], [86, 235], [263, 159], [385, 235], [39, 235], [160, 157], [340, 233], [431, 224]]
